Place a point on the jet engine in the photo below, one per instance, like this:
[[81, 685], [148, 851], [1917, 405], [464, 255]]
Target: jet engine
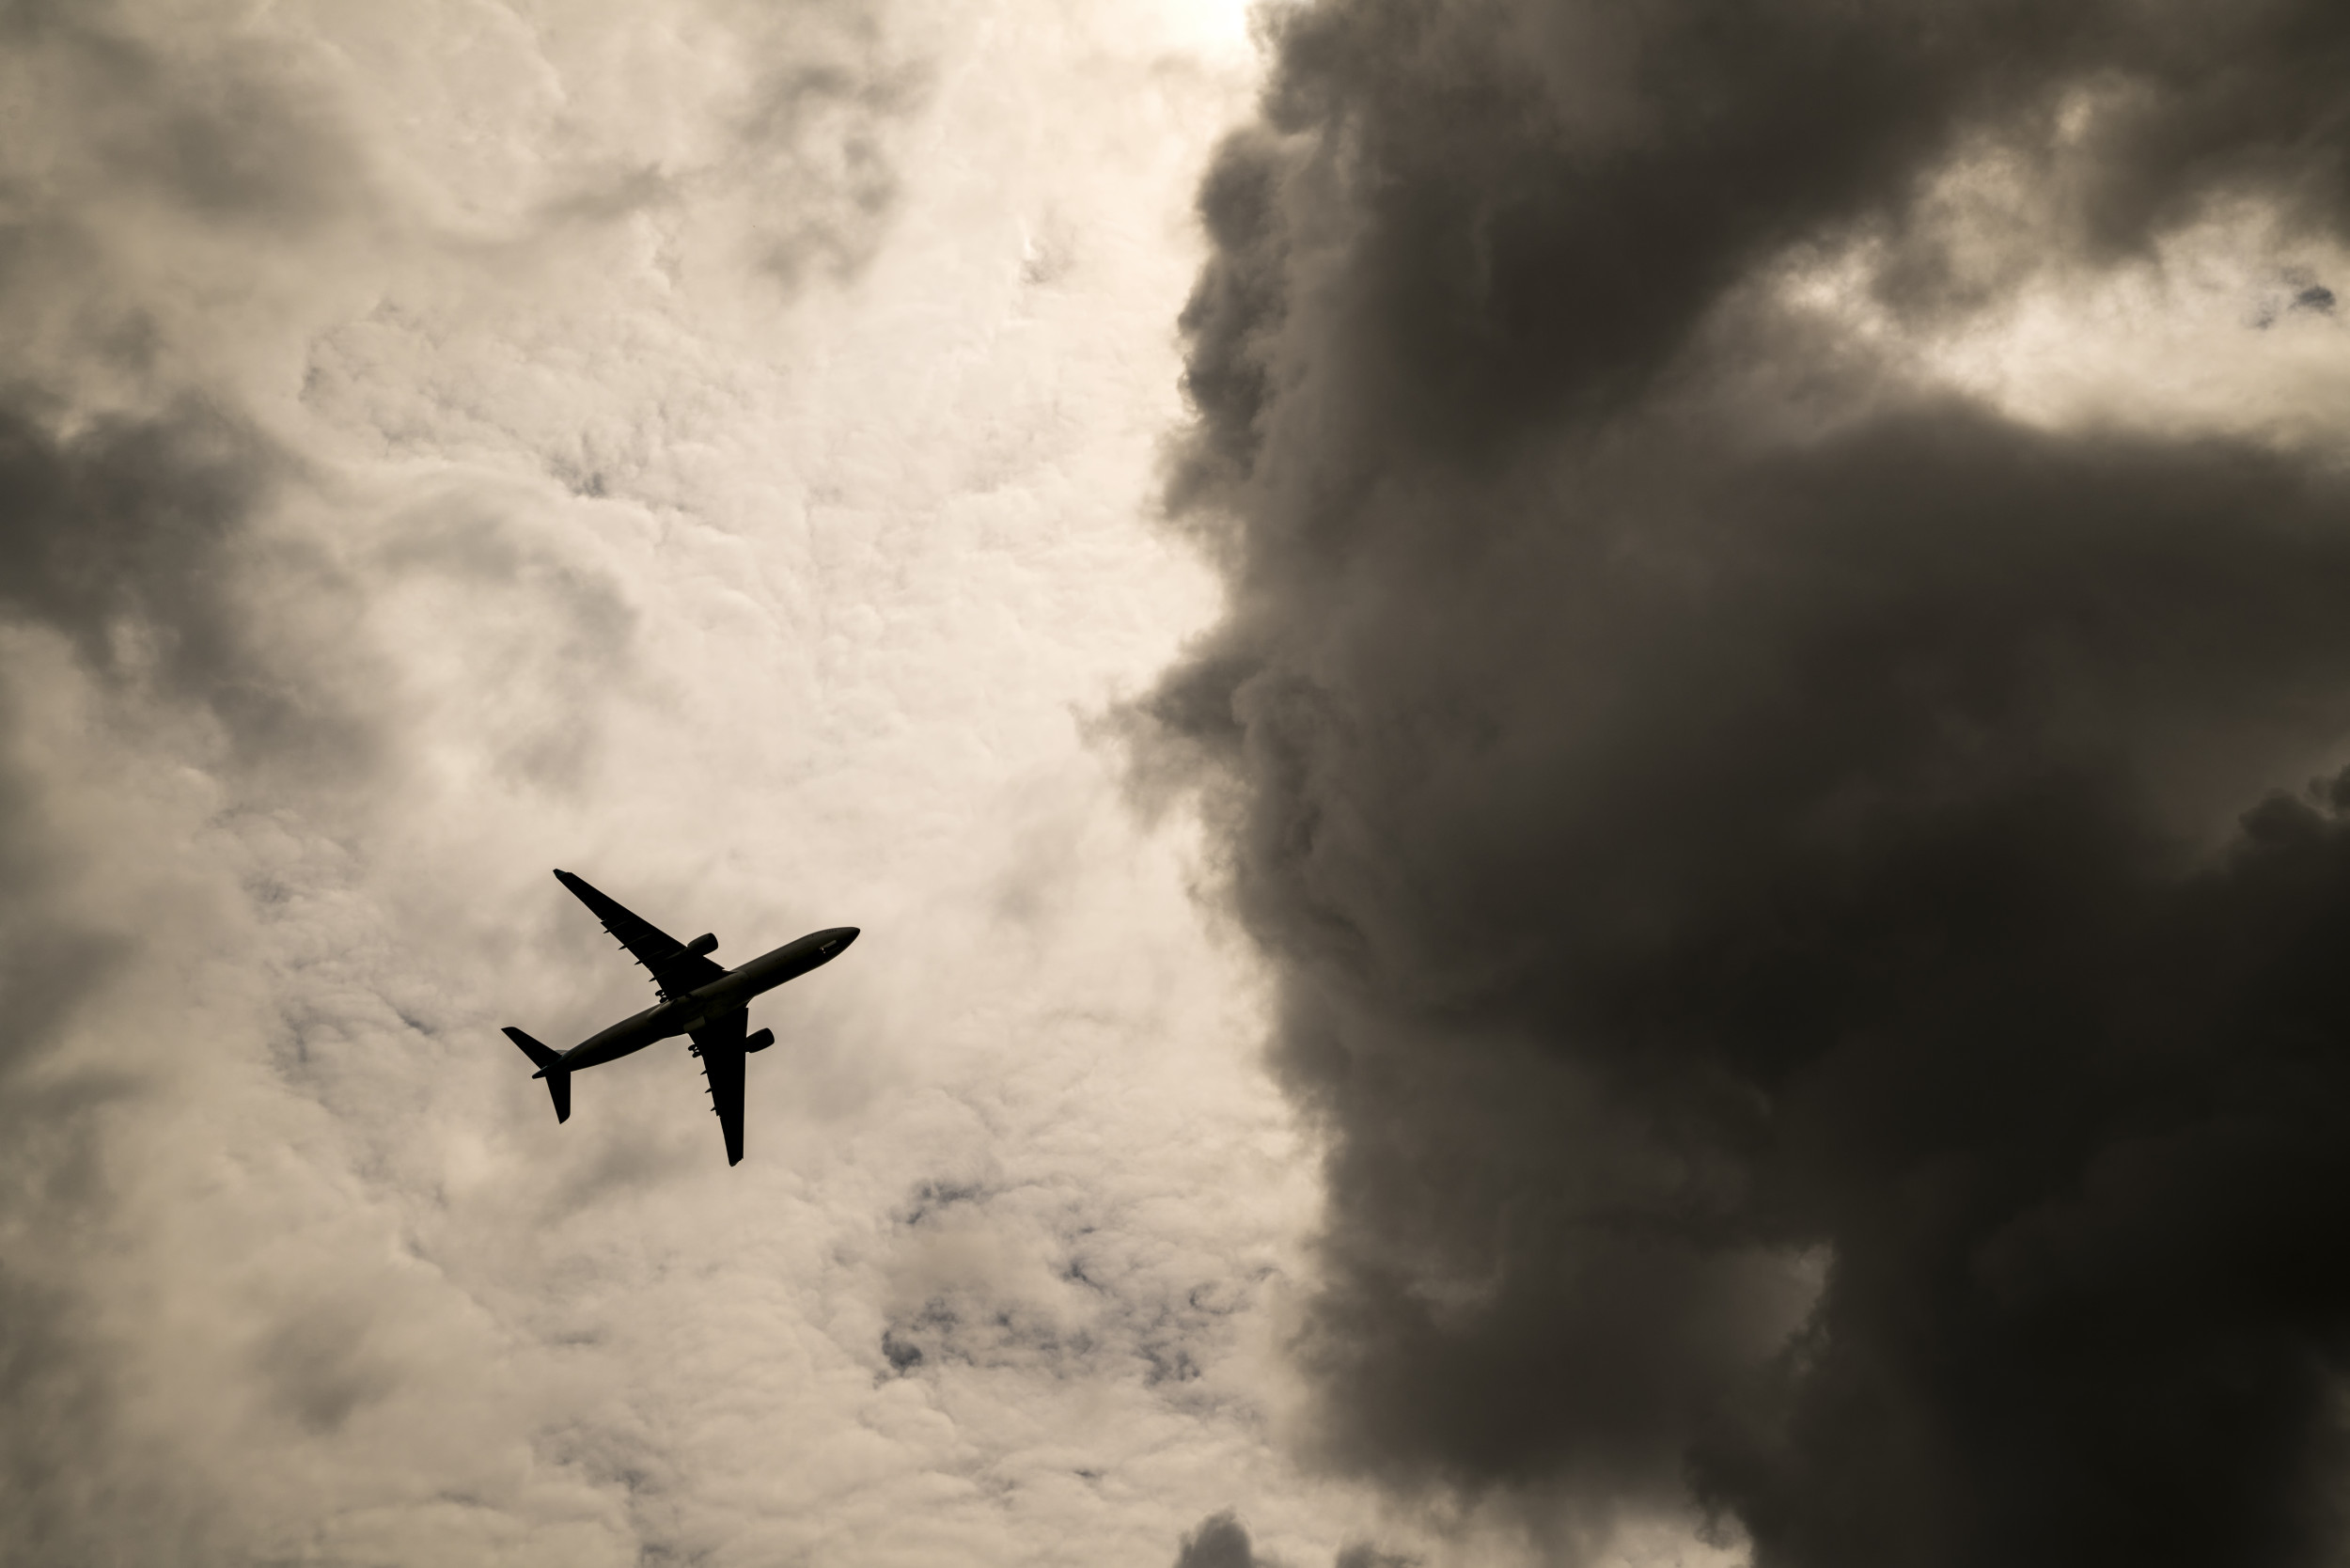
[[706, 943], [758, 1041]]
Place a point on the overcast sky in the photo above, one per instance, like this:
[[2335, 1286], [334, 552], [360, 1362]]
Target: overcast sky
[[1593, 759], [713, 448]]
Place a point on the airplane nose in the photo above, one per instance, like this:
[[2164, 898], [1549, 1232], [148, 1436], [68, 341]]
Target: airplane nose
[[847, 935]]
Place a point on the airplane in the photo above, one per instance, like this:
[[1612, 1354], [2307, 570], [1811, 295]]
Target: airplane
[[700, 997]]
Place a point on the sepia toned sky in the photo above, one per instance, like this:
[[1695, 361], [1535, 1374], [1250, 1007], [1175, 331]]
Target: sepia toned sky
[[711, 447], [1594, 760]]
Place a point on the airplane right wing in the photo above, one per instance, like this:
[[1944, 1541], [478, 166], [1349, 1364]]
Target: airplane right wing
[[719, 1045], [674, 970]]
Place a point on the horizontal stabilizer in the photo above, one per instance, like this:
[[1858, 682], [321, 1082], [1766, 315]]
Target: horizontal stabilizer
[[551, 1068]]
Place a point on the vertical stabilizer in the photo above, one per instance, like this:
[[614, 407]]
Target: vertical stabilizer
[[551, 1068]]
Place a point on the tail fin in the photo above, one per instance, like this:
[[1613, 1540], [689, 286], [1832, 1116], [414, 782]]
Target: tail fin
[[551, 1068]]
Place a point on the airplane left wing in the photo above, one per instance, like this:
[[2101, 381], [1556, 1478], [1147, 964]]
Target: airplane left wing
[[674, 970], [720, 1047]]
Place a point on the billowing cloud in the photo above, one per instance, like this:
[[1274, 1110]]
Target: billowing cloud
[[1220, 1541], [1805, 898]]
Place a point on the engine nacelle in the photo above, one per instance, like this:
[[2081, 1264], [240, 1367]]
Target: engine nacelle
[[706, 943], [758, 1041]]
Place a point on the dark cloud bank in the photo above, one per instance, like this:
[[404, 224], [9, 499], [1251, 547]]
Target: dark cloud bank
[[123, 538], [1802, 907]]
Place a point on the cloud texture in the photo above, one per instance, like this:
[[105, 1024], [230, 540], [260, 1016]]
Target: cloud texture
[[701, 444], [1808, 900]]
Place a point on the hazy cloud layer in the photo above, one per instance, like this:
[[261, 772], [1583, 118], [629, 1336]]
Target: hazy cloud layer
[[1747, 832], [700, 444]]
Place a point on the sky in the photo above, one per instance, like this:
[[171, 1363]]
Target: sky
[[1596, 762], [709, 447]]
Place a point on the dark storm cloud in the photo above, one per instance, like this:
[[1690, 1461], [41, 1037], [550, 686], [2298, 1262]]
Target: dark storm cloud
[[1751, 846], [122, 538], [130, 478], [129, 535], [1220, 1541], [1223, 1541], [125, 537], [1508, 211], [231, 134]]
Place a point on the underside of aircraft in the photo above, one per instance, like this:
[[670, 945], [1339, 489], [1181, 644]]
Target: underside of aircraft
[[699, 998]]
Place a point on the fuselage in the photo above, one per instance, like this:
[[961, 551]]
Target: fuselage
[[735, 989]]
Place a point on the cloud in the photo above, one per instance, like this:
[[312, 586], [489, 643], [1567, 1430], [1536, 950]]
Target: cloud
[[442, 445], [162, 629], [1220, 1541], [1800, 909]]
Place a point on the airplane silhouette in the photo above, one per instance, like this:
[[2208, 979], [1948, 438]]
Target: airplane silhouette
[[698, 996]]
